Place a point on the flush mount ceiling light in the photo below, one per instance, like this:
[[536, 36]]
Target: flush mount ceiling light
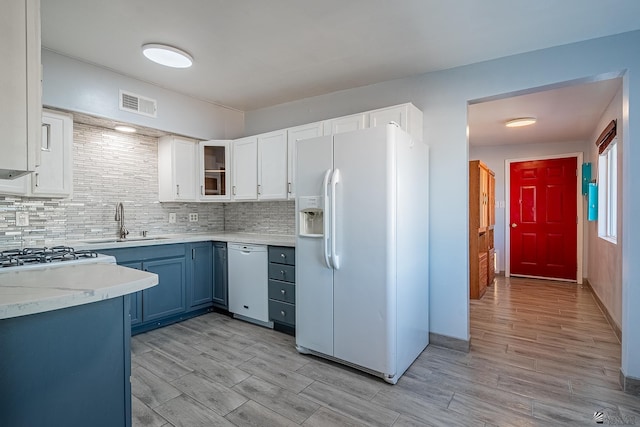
[[167, 55], [521, 121], [125, 129]]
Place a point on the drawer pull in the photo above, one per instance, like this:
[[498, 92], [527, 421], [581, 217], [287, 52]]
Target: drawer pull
[[246, 306], [282, 291], [282, 272], [283, 255], [282, 313]]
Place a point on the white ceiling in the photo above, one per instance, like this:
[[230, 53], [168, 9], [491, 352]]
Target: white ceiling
[[564, 114], [256, 53]]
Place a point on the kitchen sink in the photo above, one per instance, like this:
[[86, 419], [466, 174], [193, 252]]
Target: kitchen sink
[[115, 240]]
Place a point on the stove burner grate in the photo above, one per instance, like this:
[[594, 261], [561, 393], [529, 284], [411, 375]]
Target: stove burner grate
[[17, 257]]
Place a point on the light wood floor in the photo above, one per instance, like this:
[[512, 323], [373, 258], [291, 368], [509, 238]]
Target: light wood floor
[[541, 354]]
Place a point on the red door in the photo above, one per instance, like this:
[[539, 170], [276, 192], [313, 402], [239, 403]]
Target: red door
[[543, 218]]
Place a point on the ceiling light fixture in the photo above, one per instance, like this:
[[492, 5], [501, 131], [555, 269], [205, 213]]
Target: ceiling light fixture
[[125, 129], [521, 121], [167, 55]]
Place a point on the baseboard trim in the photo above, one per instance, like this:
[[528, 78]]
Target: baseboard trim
[[629, 384], [449, 342], [603, 309]]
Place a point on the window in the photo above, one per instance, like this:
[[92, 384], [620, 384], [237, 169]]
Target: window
[[608, 193]]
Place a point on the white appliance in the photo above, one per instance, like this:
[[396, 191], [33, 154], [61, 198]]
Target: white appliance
[[362, 290], [248, 283]]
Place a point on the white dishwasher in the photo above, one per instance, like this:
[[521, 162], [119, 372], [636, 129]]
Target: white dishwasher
[[248, 282]]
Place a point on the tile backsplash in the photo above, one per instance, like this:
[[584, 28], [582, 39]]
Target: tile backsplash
[[111, 167], [260, 217]]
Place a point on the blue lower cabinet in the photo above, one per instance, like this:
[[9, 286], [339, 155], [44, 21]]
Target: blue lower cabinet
[[136, 298], [185, 282], [167, 298], [220, 276], [199, 275]]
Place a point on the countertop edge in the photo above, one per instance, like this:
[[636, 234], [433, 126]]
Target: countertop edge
[[168, 239], [55, 298]]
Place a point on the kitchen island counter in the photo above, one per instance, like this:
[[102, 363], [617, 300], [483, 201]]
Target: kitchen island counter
[[30, 291], [65, 335]]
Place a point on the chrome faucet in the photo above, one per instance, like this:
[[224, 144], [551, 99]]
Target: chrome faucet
[[120, 218]]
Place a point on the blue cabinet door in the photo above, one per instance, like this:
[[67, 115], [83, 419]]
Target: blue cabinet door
[[168, 297], [220, 279], [136, 298], [200, 274]]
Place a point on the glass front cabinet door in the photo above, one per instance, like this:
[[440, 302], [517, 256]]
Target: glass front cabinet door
[[214, 170]]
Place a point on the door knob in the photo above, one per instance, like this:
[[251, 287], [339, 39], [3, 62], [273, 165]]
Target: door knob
[[514, 225]]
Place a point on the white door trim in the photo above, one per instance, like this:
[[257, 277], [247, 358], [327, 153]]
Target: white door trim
[[579, 207]]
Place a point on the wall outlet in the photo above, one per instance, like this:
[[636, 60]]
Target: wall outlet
[[22, 219], [193, 217], [172, 218]]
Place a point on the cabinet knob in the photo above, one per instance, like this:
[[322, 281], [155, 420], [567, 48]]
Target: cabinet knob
[[283, 256], [282, 291], [514, 225], [282, 272], [283, 314]]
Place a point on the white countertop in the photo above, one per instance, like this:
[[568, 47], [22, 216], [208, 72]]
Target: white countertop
[[166, 239], [31, 291]]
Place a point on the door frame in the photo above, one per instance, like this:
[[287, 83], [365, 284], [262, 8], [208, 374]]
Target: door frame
[[579, 208]]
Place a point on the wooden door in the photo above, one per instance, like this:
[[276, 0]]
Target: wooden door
[[483, 201], [543, 217]]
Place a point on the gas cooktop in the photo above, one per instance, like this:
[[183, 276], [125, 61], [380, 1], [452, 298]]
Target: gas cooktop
[[44, 255]]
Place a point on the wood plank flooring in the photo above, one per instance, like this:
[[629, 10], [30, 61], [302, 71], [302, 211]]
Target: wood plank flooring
[[541, 354]]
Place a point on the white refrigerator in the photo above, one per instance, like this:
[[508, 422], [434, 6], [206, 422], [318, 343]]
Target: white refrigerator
[[362, 222]]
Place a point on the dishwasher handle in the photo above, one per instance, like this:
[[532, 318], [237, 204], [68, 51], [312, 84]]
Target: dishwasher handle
[[246, 248]]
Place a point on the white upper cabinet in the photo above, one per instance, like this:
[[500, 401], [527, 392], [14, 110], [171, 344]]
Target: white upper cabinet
[[20, 86], [215, 162], [245, 169], [272, 166], [259, 167], [407, 116], [346, 124], [177, 168], [54, 176], [293, 136]]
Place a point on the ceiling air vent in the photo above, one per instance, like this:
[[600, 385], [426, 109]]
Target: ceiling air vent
[[138, 104]]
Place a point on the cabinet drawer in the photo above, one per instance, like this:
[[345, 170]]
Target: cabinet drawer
[[286, 273], [282, 255], [282, 312], [282, 291]]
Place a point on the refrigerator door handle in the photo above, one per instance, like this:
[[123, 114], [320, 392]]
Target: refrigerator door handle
[[335, 258], [325, 226]]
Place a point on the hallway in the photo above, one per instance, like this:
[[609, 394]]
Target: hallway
[[549, 342]]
